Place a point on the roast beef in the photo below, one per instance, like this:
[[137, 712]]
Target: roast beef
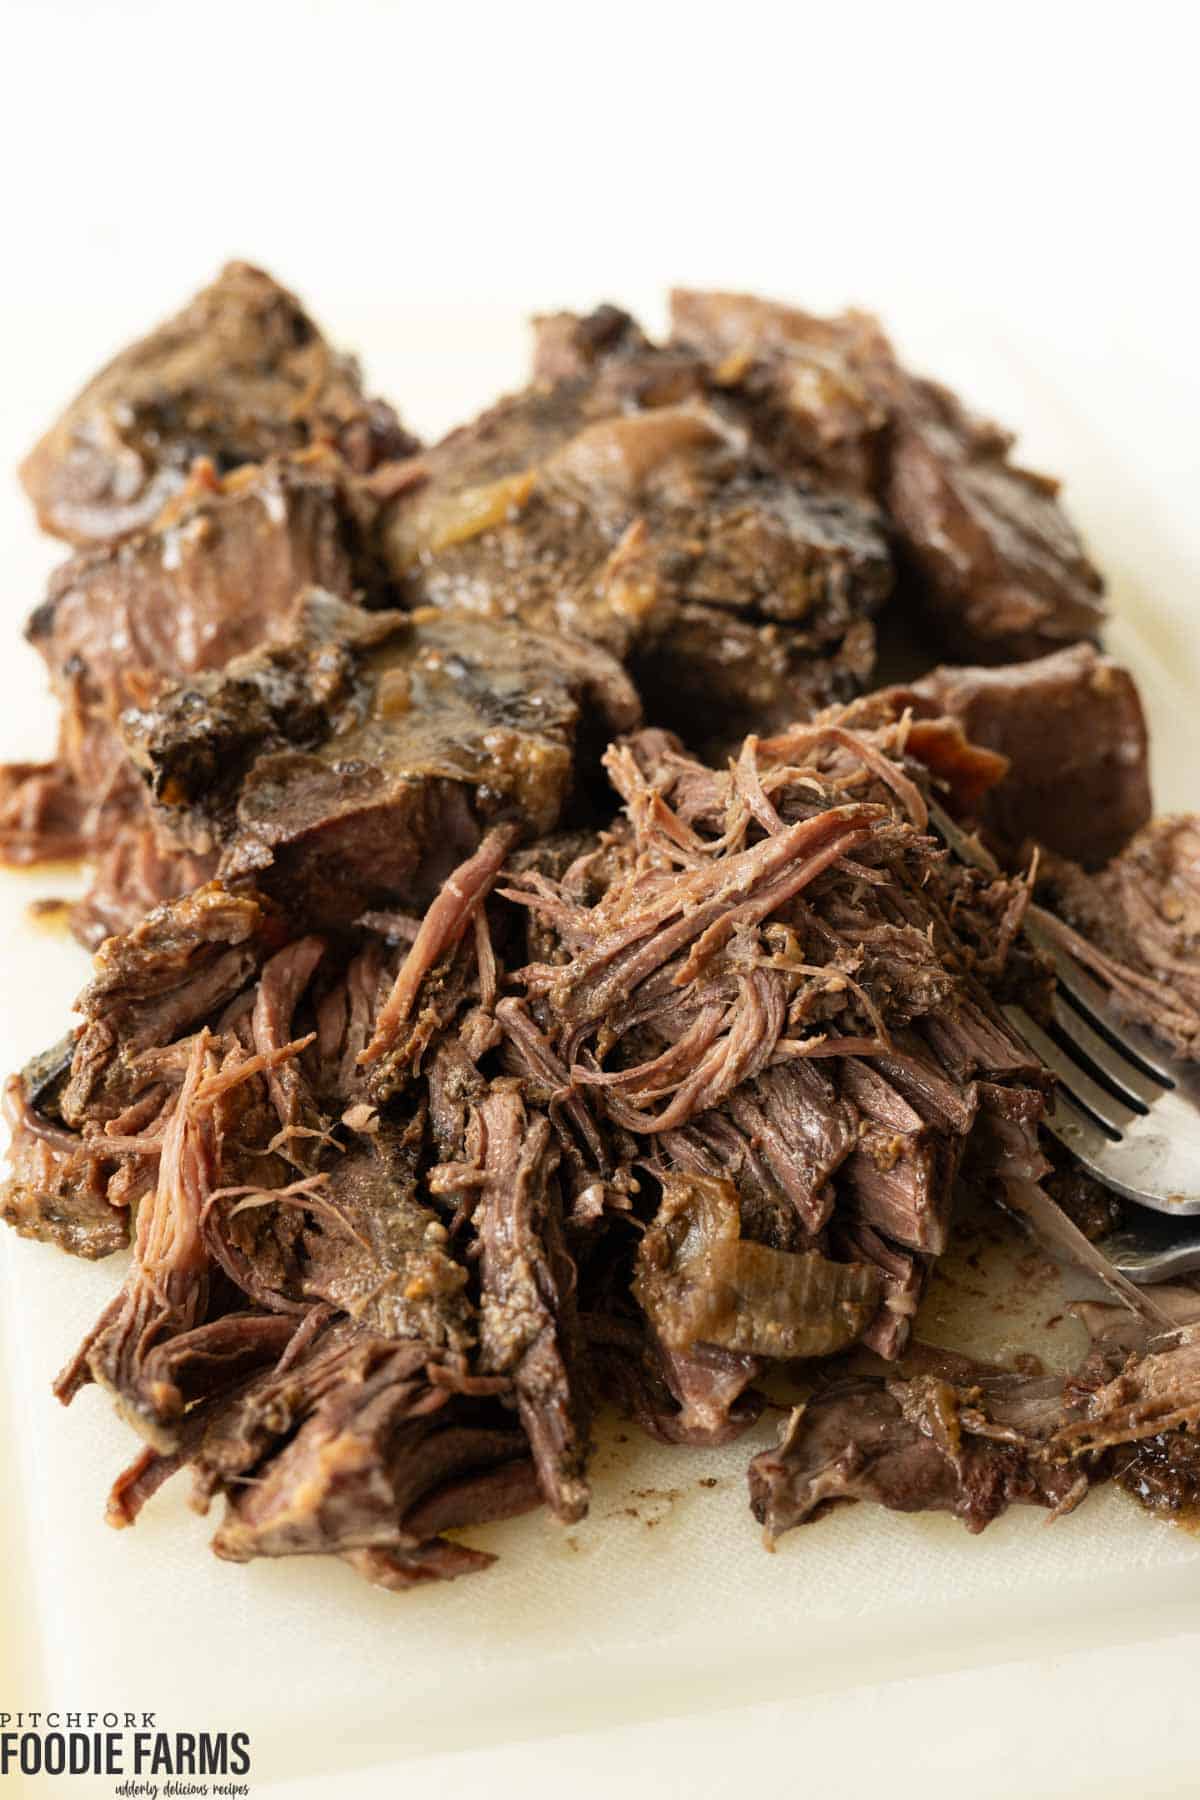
[[997, 572], [527, 1325], [970, 1440], [448, 1089], [915, 1446], [616, 504], [760, 979], [342, 1443], [353, 767], [1072, 730], [242, 373], [375, 1444], [57, 1186], [220, 573]]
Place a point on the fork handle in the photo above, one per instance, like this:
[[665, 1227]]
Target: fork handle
[[1145, 1255]]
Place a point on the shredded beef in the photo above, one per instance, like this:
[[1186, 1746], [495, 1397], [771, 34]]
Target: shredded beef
[[461, 1051], [528, 1328], [1136, 926]]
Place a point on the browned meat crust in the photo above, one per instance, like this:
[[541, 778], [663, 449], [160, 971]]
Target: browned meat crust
[[617, 504], [352, 767], [242, 373], [1000, 573], [221, 572]]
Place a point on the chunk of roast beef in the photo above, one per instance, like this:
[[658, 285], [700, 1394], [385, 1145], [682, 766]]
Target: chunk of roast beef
[[627, 519], [342, 1443], [215, 576], [1002, 573], [354, 767], [220, 573], [239, 375], [817, 393], [177, 968], [912, 1446], [1072, 729], [966, 1439], [616, 505], [997, 571], [385, 1261], [378, 1447], [369, 1246], [57, 1185]]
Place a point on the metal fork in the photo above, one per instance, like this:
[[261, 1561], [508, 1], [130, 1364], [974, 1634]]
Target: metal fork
[[1126, 1110]]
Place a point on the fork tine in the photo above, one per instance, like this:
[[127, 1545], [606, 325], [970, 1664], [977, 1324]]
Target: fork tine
[[1079, 1084], [1079, 1132], [1137, 1086], [1086, 992], [1155, 1162], [1092, 998], [1141, 1134]]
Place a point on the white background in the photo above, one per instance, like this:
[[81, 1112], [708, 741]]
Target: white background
[[1013, 186]]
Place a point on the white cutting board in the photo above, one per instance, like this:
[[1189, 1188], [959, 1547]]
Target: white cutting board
[[663, 1602]]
